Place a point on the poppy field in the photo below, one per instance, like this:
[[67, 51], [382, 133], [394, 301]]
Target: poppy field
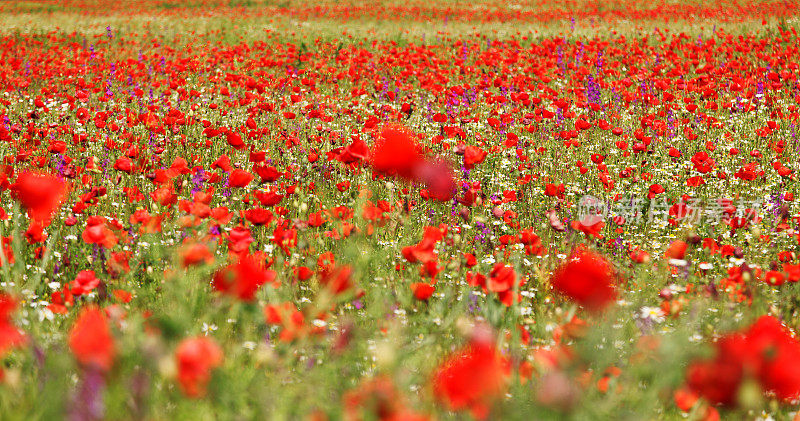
[[275, 209]]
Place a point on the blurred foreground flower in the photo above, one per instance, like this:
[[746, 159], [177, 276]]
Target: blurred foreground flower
[[587, 278], [10, 336], [196, 357], [378, 399], [766, 353], [40, 194], [472, 378], [243, 278], [90, 340], [396, 154]]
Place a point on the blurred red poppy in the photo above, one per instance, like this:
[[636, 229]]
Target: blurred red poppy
[[586, 278], [40, 194], [767, 352], [422, 290], [10, 336], [196, 357], [243, 278], [471, 378], [91, 341], [395, 153]]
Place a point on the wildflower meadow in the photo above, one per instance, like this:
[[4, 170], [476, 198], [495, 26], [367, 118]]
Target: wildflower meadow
[[399, 210]]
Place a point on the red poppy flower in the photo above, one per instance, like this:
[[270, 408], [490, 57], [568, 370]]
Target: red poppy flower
[[354, 152], [90, 339], [438, 179], [766, 351], [258, 216], [243, 278], [165, 196], [123, 296], [471, 378], [473, 155], [124, 164], [553, 190], [395, 152], [267, 173], [195, 254], [196, 357], [470, 260], [235, 140], [501, 278], [239, 240], [223, 163], [40, 194], [303, 273], [589, 230], [10, 336], [587, 279], [422, 290], [338, 279], [240, 178], [84, 283], [96, 232], [269, 198]]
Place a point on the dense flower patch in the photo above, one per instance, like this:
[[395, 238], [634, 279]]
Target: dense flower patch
[[474, 225], [480, 11]]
